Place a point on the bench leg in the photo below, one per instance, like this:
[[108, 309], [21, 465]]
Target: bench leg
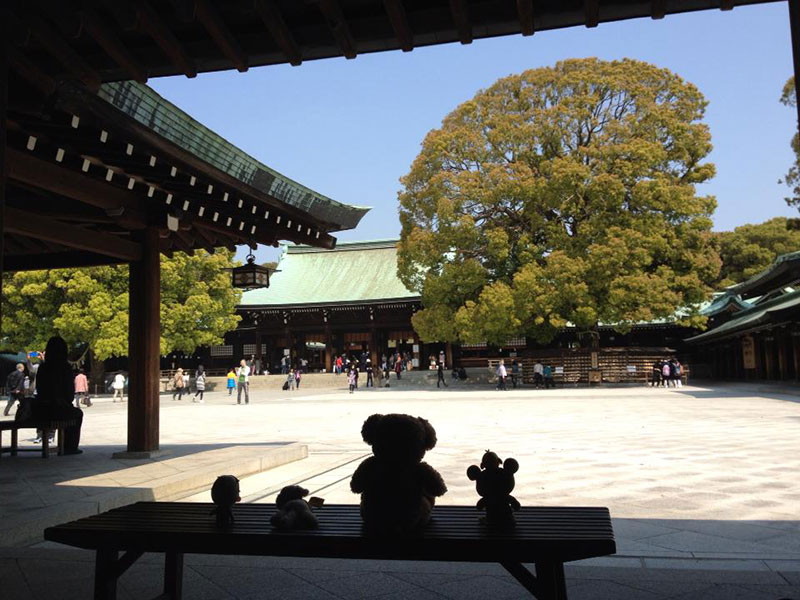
[[173, 576], [14, 441], [45, 443], [105, 575], [550, 576], [60, 445]]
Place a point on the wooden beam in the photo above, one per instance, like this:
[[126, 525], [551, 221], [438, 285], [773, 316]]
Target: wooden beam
[[59, 49], [658, 8], [41, 174], [526, 19], [273, 20], [591, 10], [727, 4], [794, 20], [105, 37], [40, 228], [460, 12], [154, 26], [58, 260], [397, 17], [222, 36], [30, 72], [338, 26], [185, 10]]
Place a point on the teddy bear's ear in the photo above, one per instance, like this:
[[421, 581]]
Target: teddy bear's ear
[[511, 465], [430, 433], [369, 431], [473, 472]]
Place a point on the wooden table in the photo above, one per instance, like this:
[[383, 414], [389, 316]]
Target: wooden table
[[545, 536]]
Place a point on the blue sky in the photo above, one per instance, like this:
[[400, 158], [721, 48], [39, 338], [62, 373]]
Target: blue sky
[[351, 128]]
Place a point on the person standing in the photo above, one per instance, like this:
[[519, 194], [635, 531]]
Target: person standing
[[338, 366], [441, 358], [548, 376], [231, 380], [56, 391], [199, 384], [514, 373], [666, 373], [82, 389], [678, 373], [177, 385], [538, 374], [370, 374], [15, 387], [297, 376], [118, 385], [501, 375], [398, 366], [440, 374], [351, 379], [243, 378], [656, 376]]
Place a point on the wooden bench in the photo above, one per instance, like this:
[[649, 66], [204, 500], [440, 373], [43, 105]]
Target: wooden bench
[[545, 536], [47, 428]]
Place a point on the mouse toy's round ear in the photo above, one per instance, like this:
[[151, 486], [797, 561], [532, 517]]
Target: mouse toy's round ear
[[511, 465], [473, 472], [430, 433], [369, 431]]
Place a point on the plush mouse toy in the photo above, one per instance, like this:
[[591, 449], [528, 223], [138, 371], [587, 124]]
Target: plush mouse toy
[[293, 511], [495, 484], [397, 490], [225, 493]]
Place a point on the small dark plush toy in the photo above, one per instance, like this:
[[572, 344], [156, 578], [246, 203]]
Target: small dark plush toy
[[397, 490], [293, 511], [495, 484], [225, 493]]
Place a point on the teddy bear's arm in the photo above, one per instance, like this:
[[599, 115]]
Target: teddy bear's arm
[[432, 481], [514, 503], [362, 475], [481, 504]]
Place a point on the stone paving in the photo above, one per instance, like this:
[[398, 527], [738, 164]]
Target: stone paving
[[701, 481]]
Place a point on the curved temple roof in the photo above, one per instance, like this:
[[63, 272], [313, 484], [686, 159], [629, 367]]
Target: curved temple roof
[[352, 273], [150, 109]]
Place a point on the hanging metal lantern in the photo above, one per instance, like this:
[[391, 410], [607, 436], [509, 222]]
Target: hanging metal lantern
[[250, 276]]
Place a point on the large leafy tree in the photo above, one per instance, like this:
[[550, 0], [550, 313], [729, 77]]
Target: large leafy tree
[[792, 178], [90, 306], [749, 249], [560, 195]]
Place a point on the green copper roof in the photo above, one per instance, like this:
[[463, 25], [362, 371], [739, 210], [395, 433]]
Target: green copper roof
[[147, 107], [354, 272]]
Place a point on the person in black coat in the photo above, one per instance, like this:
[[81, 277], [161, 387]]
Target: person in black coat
[[55, 391], [15, 386]]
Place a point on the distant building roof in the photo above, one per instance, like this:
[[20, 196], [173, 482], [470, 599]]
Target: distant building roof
[[148, 108], [783, 271], [352, 273]]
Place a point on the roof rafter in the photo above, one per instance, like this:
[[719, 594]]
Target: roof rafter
[[526, 20], [222, 36], [399, 20], [338, 26], [460, 12], [105, 37], [273, 20], [150, 22], [591, 10]]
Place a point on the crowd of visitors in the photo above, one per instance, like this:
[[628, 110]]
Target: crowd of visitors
[[667, 372]]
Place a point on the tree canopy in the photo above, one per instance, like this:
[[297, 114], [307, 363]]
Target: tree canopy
[[90, 305], [792, 178], [560, 195], [749, 249]]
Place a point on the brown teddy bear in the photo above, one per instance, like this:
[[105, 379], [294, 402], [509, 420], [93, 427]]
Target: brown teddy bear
[[293, 510], [397, 490], [495, 484]]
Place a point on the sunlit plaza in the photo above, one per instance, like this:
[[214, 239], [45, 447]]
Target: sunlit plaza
[[701, 483]]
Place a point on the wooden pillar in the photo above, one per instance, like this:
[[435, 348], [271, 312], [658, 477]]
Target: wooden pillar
[[796, 354], [328, 348], [781, 345], [448, 355], [144, 330], [373, 345], [259, 358], [794, 24], [3, 110]]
